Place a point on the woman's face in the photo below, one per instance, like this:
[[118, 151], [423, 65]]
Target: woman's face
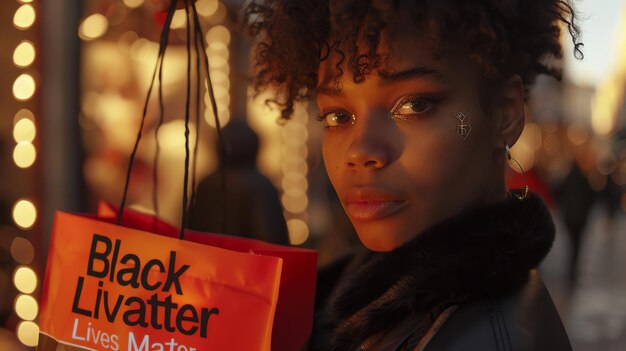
[[391, 149]]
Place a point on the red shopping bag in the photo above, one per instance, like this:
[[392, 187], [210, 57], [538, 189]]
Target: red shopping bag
[[110, 287], [294, 311]]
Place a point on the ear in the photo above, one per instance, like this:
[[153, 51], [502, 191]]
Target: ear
[[510, 104]]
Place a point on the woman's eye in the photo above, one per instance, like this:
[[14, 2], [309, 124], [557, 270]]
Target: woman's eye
[[412, 106], [335, 118]]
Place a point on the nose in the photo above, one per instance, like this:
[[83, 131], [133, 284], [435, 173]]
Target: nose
[[371, 147]]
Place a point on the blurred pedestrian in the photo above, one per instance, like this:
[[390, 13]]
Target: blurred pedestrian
[[252, 206]]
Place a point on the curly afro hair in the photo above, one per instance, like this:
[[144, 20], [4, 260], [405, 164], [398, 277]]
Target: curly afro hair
[[503, 37]]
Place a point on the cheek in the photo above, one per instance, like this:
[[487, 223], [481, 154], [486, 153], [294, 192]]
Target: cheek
[[332, 153], [431, 161], [441, 159]]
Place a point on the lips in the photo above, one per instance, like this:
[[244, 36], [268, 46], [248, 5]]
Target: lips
[[369, 204]]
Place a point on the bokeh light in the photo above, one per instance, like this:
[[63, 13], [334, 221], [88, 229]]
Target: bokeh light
[[24, 87], [24, 130], [220, 14], [172, 135], [26, 307], [24, 17], [223, 115], [24, 214], [294, 204], [22, 250], [28, 333], [23, 113], [25, 279], [24, 154], [179, 20], [219, 34], [298, 231], [577, 133], [207, 8], [24, 54], [93, 27], [133, 3]]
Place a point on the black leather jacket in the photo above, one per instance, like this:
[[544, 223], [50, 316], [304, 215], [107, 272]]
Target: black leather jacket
[[524, 320]]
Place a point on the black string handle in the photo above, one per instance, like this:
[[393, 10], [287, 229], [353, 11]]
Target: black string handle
[[197, 35], [155, 203], [187, 108], [162, 47], [220, 144]]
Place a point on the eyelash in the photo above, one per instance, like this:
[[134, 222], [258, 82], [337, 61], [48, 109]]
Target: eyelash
[[433, 101]]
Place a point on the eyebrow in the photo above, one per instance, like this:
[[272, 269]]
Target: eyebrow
[[419, 72], [330, 91]]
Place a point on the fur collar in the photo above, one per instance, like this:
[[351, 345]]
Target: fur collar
[[481, 252]]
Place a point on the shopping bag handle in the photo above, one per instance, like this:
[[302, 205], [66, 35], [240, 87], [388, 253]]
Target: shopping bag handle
[[158, 69]]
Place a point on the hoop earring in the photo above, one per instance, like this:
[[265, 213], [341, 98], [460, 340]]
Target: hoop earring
[[523, 193]]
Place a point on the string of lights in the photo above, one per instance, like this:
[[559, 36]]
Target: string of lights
[[24, 211]]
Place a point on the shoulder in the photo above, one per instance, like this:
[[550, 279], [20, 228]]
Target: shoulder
[[523, 320]]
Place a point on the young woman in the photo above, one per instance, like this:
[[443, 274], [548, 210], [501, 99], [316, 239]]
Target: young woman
[[420, 102]]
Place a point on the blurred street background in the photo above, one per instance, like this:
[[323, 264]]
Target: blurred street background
[[72, 90]]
